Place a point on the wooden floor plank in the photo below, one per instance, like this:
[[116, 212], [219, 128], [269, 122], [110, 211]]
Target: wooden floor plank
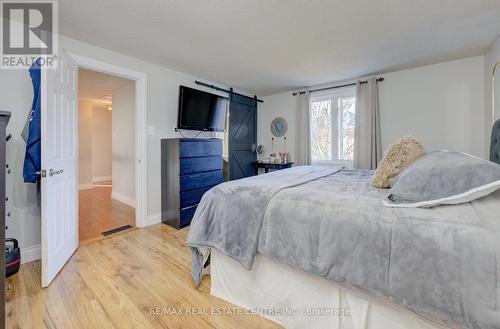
[[98, 212], [115, 282]]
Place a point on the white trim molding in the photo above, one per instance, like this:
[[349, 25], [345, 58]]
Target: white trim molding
[[85, 186], [154, 219], [493, 116], [141, 136], [99, 179], [30, 254], [123, 199]]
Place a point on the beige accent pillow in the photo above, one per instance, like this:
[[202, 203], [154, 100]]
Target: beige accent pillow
[[400, 155]]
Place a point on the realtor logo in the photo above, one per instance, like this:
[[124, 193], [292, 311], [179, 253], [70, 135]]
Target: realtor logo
[[29, 33]]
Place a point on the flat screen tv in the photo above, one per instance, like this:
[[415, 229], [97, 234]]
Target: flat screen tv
[[199, 110]]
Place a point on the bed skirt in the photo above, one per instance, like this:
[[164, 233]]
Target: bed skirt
[[297, 299]]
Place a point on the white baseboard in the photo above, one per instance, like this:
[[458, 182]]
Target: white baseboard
[[31, 254], [123, 199], [101, 179], [154, 219], [85, 186]]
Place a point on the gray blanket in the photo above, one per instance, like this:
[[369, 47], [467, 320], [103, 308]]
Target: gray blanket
[[439, 262], [230, 215]]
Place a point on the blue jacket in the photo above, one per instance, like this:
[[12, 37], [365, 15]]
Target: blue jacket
[[33, 156]]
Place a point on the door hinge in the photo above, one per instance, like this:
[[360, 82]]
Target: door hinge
[[43, 173]]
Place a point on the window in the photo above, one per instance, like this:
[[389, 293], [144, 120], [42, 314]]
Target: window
[[332, 126]]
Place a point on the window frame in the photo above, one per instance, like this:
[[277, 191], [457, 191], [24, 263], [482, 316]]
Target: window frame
[[334, 95]]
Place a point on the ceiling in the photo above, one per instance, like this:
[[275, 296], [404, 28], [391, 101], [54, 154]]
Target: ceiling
[[93, 85], [270, 46]]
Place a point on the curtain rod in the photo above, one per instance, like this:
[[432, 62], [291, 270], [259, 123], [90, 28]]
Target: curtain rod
[[335, 87], [225, 90]]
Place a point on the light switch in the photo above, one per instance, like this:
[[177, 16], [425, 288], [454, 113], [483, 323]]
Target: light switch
[[151, 130]]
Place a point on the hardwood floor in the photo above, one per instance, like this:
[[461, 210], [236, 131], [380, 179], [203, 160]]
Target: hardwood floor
[[99, 213], [119, 282]]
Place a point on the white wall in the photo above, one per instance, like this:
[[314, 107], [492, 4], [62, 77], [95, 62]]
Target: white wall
[[101, 143], [162, 101], [124, 143], [24, 223], [84, 143], [280, 105], [490, 58], [441, 104], [94, 143]]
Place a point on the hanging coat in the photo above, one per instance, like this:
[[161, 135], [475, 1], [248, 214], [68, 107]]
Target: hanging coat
[[32, 157]]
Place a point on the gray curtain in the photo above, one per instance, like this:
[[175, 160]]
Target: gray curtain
[[367, 142], [303, 130]]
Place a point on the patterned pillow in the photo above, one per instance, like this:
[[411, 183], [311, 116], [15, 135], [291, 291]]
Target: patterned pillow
[[400, 155]]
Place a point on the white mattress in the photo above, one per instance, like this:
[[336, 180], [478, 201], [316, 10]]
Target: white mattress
[[297, 299]]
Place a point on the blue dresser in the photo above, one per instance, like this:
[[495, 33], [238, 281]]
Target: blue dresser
[[189, 168]]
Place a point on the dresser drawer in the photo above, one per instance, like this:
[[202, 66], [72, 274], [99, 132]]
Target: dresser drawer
[[193, 197], [195, 181], [200, 149], [185, 216], [200, 164]]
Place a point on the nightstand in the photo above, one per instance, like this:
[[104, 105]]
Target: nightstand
[[269, 165]]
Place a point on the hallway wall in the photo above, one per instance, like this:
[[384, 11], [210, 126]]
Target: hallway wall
[[94, 143], [123, 144], [84, 144], [101, 143]]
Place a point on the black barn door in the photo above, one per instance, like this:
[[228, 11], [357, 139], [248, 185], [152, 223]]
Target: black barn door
[[242, 136]]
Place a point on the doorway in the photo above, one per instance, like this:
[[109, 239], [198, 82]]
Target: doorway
[[59, 154], [106, 153]]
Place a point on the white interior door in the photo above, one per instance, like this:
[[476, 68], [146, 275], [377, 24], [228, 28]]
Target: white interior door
[[59, 186]]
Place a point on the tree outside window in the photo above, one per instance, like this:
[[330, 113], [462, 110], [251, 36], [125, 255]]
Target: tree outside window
[[332, 126]]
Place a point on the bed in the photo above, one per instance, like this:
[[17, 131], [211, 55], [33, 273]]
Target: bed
[[314, 246], [296, 299]]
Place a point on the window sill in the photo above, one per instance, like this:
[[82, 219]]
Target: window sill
[[332, 163]]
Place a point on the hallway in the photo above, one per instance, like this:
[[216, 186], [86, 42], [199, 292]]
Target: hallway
[[98, 212]]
